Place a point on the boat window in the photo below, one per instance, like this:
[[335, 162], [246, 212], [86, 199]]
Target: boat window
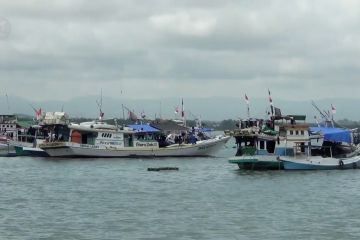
[[110, 135], [302, 132], [297, 132], [270, 146], [291, 132], [262, 145]]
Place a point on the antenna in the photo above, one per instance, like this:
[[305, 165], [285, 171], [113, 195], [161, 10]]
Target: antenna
[[160, 110], [7, 102]]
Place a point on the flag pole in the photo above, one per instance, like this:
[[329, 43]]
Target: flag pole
[[248, 105]]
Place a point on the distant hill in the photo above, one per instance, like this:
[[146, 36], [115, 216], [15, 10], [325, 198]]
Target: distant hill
[[214, 108]]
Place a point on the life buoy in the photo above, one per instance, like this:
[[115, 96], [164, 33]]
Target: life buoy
[[341, 163]]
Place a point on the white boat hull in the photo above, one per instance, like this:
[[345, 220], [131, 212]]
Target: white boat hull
[[203, 148], [320, 163]]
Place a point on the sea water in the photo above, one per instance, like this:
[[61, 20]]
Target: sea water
[[208, 198]]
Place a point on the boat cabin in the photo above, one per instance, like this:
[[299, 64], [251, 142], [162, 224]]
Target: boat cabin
[[103, 135], [281, 137]]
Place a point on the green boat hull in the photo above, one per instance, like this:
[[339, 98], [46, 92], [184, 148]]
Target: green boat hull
[[256, 164], [21, 152]]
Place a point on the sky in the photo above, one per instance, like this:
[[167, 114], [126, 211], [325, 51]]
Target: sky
[[149, 49]]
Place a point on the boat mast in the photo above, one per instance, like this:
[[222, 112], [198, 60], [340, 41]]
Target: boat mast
[[183, 112], [99, 103]]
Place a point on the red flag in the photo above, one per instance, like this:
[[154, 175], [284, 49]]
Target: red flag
[[38, 114]]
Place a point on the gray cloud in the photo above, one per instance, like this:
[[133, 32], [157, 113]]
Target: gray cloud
[[152, 49]]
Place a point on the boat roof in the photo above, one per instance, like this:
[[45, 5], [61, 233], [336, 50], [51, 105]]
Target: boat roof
[[55, 118], [96, 128], [143, 128], [333, 134], [168, 125]]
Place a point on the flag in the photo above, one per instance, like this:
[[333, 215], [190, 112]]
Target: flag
[[176, 110], [247, 100], [333, 109], [142, 114], [38, 114], [101, 114]]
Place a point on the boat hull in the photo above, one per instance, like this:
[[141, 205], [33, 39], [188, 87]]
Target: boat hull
[[322, 163], [204, 148], [29, 151], [257, 162]]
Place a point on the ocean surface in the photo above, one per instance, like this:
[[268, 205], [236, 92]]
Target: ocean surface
[[208, 198]]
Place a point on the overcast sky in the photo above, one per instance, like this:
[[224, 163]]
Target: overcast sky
[[186, 48]]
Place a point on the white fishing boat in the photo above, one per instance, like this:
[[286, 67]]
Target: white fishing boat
[[98, 139]]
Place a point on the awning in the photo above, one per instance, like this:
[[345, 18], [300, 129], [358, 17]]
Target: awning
[[333, 134]]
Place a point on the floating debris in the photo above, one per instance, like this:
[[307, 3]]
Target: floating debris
[[164, 169]]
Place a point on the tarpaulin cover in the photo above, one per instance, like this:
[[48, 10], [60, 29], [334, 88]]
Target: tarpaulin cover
[[333, 134], [143, 128]]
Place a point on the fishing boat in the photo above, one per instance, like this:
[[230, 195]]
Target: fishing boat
[[50, 126], [307, 161], [10, 130], [260, 143], [320, 163], [99, 139]]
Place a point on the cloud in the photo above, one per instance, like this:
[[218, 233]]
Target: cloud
[[185, 23], [189, 48]]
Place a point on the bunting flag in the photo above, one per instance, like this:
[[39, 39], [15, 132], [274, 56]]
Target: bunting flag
[[247, 100], [333, 109]]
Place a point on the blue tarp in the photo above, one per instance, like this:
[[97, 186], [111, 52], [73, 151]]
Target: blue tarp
[[205, 129], [333, 134], [143, 128]]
